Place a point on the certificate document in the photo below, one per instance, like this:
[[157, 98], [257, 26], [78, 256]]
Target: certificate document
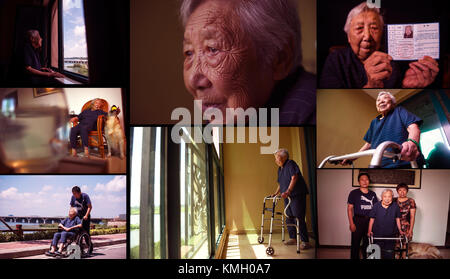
[[413, 41]]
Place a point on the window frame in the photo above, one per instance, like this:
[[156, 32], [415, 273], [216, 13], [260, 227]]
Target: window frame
[[71, 75]]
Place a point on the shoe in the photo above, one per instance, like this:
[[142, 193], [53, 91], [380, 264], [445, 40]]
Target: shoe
[[304, 245], [291, 241], [50, 254]]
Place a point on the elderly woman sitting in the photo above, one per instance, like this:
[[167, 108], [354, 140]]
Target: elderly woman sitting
[[364, 65], [394, 124], [87, 122], [247, 54], [69, 228]]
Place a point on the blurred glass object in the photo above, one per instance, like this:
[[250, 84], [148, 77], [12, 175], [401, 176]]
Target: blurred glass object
[[34, 129]]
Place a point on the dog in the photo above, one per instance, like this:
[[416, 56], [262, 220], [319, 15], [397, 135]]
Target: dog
[[114, 133], [423, 251]]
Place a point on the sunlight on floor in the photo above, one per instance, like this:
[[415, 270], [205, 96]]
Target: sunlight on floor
[[246, 246]]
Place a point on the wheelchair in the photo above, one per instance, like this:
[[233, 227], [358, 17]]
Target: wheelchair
[[77, 247]]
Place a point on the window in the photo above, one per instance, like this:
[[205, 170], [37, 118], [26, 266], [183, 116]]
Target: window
[[70, 37]]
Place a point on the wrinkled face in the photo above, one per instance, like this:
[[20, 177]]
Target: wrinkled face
[[365, 34], [221, 67], [279, 160], [364, 181], [387, 198], [384, 104], [97, 104], [72, 214], [402, 192]]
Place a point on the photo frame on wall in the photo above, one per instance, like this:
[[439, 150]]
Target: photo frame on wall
[[39, 92], [390, 178]]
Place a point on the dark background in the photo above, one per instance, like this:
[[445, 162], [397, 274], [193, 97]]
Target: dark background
[[333, 14]]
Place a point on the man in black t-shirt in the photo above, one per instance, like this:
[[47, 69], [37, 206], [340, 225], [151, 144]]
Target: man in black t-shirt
[[359, 204]]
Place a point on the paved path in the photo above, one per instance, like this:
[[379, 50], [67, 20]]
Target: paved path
[[21, 249], [118, 251]]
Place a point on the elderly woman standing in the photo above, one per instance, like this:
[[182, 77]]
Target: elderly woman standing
[[394, 124], [247, 54], [363, 65]]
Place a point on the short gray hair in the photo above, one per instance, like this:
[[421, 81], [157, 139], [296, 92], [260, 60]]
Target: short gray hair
[[32, 35], [73, 209], [388, 94], [283, 152], [271, 24], [363, 7], [385, 191]]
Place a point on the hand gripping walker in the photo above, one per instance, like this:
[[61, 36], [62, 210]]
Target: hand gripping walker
[[270, 251], [374, 250], [377, 154]]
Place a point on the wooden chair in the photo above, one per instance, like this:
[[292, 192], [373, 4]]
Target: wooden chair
[[97, 137]]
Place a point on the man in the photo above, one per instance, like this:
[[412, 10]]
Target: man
[[360, 203], [87, 122], [363, 64], [394, 124], [291, 184], [82, 203], [69, 228], [385, 222]]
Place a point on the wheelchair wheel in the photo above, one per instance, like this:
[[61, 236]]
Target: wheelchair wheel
[[270, 251], [260, 239], [84, 241]]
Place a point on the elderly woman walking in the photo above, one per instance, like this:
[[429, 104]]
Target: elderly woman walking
[[247, 54], [363, 64], [394, 124]]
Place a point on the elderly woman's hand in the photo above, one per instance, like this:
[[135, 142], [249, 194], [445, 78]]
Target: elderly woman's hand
[[378, 68], [409, 151], [421, 73]]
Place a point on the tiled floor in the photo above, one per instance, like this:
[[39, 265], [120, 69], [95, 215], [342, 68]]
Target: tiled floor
[[246, 246]]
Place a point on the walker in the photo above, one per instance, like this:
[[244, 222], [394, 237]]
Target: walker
[[270, 251], [377, 154], [374, 250]]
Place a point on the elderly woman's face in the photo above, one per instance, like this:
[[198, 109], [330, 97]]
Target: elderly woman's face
[[221, 67], [384, 104], [97, 105], [72, 214], [387, 198], [365, 34], [279, 160]]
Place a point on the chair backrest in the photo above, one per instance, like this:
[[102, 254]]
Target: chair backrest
[[104, 106]]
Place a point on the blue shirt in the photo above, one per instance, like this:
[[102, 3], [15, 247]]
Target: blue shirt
[[68, 223], [89, 118], [385, 224], [392, 127], [289, 169], [81, 204], [362, 203]]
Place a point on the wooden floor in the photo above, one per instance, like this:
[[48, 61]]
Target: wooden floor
[[246, 246]]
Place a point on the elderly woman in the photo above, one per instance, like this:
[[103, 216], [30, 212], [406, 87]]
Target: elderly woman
[[363, 64], [34, 72], [247, 54], [385, 222], [87, 121], [407, 210], [291, 184], [69, 227], [394, 124]]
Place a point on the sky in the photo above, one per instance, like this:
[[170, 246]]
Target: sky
[[74, 29], [47, 195]]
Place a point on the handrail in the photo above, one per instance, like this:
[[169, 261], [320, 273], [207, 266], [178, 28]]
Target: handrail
[[377, 155]]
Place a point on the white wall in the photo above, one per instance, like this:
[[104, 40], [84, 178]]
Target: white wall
[[432, 202], [77, 97]]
